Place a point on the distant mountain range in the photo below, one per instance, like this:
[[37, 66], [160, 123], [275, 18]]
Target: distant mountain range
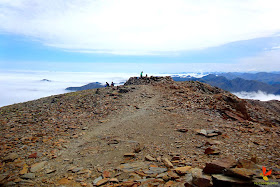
[[86, 87], [232, 82], [237, 82], [269, 78]]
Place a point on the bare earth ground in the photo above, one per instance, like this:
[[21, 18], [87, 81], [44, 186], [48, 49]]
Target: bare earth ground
[[85, 135]]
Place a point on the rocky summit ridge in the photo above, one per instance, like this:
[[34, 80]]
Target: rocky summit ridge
[[149, 132]]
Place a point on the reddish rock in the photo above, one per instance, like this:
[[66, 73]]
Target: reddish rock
[[106, 174], [248, 164], [210, 151], [240, 173], [217, 166], [102, 181], [223, 180], [173, 175], [64, 181], [114, 180], [169, 184], [33, 155], [200, 179]]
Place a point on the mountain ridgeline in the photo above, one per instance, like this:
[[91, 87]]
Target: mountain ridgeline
[[89, 86], [236, 82]]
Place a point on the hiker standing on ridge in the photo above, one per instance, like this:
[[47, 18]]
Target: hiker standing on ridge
[[141, 75], [107, 84], [112, 84]]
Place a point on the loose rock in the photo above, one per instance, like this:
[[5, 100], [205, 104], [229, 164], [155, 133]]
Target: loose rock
[[217, 166], [11, 157], [200, 179], [38, 166], [28, 176], [167, 163]]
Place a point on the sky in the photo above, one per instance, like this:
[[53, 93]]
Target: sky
[[74, 42], [161, 36]]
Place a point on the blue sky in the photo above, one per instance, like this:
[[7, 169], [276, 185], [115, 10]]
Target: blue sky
[[161, 36]]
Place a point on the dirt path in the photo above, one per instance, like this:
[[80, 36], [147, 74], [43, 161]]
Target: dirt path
[[134, 124]]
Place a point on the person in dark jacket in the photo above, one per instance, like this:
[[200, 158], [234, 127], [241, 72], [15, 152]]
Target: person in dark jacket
[[112, 84]]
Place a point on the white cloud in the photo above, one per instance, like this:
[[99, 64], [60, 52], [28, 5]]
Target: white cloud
[[266, 61], [21, 86], [262, 96], [139, 27]]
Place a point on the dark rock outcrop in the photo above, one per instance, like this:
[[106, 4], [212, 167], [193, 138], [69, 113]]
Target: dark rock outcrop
[[147, 80]]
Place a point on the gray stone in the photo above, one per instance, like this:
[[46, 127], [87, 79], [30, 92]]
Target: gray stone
[[188, 179], [49, 171], [97, 180], [38, 166], [77, 169], [11, 157], [10, 183], [161, 175], [28, 176], [155, 170], [26, 183], [133, 166]]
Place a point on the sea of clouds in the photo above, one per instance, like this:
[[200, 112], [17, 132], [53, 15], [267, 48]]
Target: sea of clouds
[[260, 95], [21, 86]]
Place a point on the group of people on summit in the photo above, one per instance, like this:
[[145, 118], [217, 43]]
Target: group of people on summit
[[107, 84], [112, 84]]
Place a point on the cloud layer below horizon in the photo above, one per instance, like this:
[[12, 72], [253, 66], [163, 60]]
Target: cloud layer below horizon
[[139, 27], [21, 86]]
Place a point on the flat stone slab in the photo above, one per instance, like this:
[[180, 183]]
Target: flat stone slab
[[232, 180], [200, 179], [155, 170], [218, 166], [134, 166], [28, 176], [38, 166]]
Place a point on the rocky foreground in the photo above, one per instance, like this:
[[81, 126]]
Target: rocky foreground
[[149, 132]]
